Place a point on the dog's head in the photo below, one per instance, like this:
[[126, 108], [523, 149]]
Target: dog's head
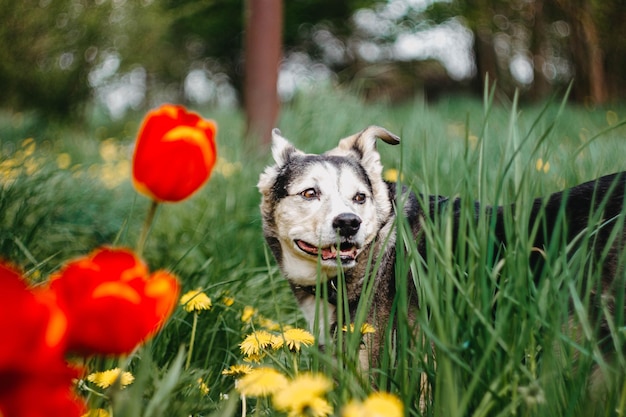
[[321, 211]]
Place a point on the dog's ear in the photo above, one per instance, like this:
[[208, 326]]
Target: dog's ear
[[282, 149], [282, 152], [363, 146]]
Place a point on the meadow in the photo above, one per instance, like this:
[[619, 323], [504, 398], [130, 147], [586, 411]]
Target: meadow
[[491, 342]]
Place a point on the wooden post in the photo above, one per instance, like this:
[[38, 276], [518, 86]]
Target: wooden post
[[263, 52]]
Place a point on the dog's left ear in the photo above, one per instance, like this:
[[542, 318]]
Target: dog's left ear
[[363, 146]]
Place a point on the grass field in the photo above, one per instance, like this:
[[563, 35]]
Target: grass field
[[495, 334]]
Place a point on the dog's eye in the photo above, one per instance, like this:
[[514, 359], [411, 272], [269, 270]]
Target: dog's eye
[[359, 198], [309, 194]]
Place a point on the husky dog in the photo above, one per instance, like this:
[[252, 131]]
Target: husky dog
[[330, 211]]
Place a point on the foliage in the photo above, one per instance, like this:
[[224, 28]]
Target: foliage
[[476, 363]]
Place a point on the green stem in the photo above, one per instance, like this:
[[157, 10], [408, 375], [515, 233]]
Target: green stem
[[192, 339], [146, 227], [296, 361]]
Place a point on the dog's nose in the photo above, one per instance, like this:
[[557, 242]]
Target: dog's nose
[[347, 224]]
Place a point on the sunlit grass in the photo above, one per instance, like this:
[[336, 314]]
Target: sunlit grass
[[488, 335]]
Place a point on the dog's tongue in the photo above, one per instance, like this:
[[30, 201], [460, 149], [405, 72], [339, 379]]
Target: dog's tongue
[[346, 251], [331, 253]]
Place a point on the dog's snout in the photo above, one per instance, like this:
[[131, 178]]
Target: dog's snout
[[347, 224]]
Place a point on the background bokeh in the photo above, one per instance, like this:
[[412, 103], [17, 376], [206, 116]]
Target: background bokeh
[[68, 57]]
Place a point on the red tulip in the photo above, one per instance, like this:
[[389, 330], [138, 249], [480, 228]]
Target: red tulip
[[35, 380], [112, 302], [175, 153]]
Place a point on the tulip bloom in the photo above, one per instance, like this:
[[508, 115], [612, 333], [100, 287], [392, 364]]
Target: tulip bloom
[[111, 301], [174, 155], [35, 380]]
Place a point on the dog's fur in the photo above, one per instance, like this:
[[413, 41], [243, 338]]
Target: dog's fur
[[322, 211]]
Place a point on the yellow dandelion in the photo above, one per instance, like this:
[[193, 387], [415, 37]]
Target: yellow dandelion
[[295, 338], [304, 394], [225, 168], [237, 370], [204, 388], [98, 412], [28, 146], [256, 358], [540, 165], [392, 175], [365, 328], [353, 409], [611, 118], [109, 150], [473, 140], [195, 300], [64, 160], [247, 313], [277, 342], [228, 301], [261, 382], [384, 404], [107, 378], [378, 404], [268, 324], [256, 342]]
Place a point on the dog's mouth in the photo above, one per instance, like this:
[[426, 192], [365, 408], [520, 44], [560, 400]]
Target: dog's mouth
[[346, 252]]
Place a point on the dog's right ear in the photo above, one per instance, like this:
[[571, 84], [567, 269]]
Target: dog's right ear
[[282, 152], [282, 149]]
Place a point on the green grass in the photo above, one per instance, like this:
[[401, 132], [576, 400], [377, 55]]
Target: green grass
[[478, 361]]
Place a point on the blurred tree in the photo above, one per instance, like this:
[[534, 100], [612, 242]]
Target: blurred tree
[[48, 49], [263, 52], [563, 40], [55, 54], [211, 33]]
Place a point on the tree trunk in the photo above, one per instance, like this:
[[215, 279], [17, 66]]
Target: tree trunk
[[540, 87], [263, 52], [486, 61], [588, 57], [597, 81]]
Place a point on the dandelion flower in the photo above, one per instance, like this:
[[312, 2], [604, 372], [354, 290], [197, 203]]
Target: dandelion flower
[[237, 370], [392, 175], [304, 396], [107, 378], [268, 324], [365, 328], [195, 300], [255, 342], [228, 301], [384, 404], [204, 388], [378, 404], [295, 338], [261, 382], [98, 412], [247, 313], [540, 165], [254, 358]]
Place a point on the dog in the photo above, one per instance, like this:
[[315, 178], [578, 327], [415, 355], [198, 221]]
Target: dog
[[326, 214]]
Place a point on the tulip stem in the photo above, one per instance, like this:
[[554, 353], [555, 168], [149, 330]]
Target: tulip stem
[[192, 339], [147, 225]]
